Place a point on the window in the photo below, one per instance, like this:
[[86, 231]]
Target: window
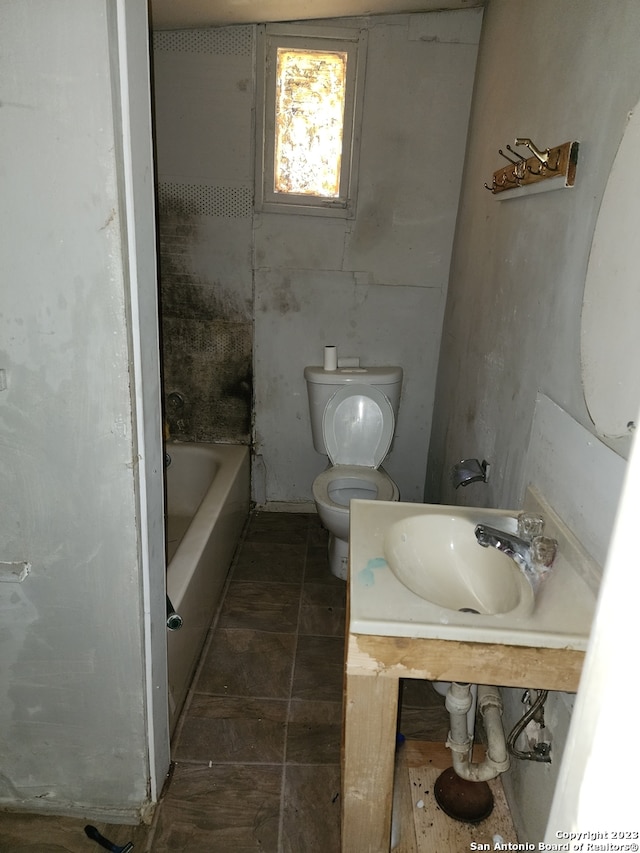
[[308, 119]]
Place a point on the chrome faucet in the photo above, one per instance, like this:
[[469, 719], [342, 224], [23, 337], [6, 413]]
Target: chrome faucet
[[535, 555], [469, 471]]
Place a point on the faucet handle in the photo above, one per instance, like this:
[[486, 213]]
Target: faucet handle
[[530, 524], [543, 551]]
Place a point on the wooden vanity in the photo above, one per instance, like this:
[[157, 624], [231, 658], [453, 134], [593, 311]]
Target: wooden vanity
[[393, 633], [374, 667]]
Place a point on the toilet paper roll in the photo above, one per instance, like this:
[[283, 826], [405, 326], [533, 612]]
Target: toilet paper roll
[[330, 358]]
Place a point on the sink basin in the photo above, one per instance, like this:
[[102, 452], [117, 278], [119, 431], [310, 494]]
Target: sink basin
[[437, 557], [417, 571]]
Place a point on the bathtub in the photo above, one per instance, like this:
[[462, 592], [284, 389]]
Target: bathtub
[[207, 505]]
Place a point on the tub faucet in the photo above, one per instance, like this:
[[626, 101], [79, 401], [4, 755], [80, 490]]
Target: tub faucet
[[534, 556], [174, 620], [469, 471]]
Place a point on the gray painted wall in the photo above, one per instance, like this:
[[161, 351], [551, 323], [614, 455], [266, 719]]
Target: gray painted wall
[[73, 698], [286, 285], [512, 322]]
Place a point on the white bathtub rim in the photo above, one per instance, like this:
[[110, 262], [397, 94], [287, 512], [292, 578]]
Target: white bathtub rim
[[213, 505], [197, 572]]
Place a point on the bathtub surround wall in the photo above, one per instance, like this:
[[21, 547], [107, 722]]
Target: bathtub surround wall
[[83, 699], [512, 322], [203, 112], [207, 343], [286, 285]]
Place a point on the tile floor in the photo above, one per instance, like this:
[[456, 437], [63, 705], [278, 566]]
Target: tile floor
[[256, 754]]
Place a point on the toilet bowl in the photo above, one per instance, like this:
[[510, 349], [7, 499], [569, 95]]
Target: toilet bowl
[[332, 492], [354, 426]]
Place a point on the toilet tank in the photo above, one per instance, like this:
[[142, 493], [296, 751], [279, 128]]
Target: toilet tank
[[322, 385]]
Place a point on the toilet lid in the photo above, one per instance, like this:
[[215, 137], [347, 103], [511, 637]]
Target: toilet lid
[[358, 426]]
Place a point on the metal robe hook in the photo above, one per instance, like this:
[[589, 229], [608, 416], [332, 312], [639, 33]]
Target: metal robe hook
[[517, 153], [557, 165], [534, 167], [505, 179], [542, 156], [540, 170], [520, 166], [502, 154]]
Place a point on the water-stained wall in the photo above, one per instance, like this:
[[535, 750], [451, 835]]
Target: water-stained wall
[[207, 341], [283, 285], [205, 190]]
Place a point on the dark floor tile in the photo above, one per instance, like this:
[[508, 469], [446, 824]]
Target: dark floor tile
[[322, 621], [262, 606], [311, 814], [284, 527], [243, 662], [319, 669], [323, 610], [265, 562], [220, 808], [314, 732], [325, 594], [228, 729]]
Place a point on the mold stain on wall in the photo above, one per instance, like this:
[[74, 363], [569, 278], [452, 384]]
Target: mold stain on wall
[[206, 341]]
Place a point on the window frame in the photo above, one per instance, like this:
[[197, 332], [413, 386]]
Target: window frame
[[297, 37]]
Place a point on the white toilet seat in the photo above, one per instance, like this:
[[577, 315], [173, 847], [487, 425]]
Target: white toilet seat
[[337, 485], [357, 426]]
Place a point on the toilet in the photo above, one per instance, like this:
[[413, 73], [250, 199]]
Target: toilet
[[353, 415]]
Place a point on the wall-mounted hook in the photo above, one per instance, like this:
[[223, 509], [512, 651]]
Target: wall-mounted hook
[[517, 153], [539, 171], [542, 156], [556, 165], [522, 172], [502, 154], [506, 179], [520, 169]]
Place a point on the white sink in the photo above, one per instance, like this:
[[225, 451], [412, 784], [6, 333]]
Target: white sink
[[416, 570], [437, 556]]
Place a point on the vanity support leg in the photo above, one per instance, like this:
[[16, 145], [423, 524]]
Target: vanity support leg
[[369, 741]]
